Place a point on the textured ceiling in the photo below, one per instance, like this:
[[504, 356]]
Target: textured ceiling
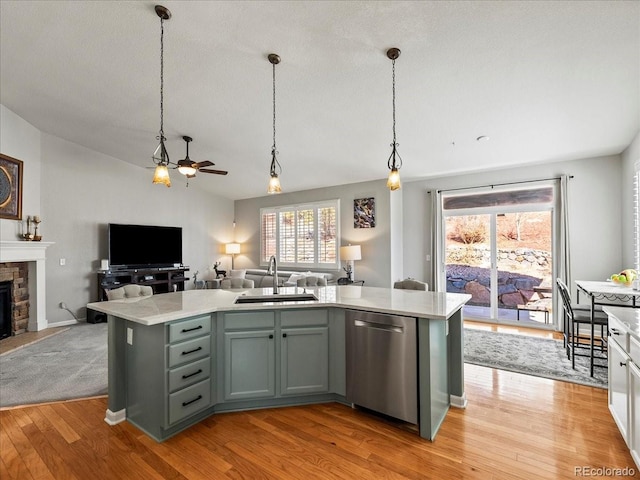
[[546, 81]]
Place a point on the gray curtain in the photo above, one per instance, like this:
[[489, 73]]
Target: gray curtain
[[564, 256], [435, 222]]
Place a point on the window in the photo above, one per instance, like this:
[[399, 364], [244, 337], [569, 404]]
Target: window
[[303, 236]]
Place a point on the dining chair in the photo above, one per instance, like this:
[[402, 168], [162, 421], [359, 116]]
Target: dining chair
[[411, 284], [576, 315]]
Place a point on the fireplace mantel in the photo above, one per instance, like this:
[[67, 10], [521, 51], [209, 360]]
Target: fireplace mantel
[[35, 254], [16, 251]]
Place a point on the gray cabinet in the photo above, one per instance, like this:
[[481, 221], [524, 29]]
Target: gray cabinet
[[304, 352], [169, 381], [271, 354], [249, 361], [249, 355]]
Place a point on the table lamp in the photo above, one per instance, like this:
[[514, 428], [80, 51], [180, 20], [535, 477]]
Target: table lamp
[[232, 249], [350, 253]]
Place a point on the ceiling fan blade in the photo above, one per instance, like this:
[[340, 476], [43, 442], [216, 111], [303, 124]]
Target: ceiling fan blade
[[217, 172], [206, 163]]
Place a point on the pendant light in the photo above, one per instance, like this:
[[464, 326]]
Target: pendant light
[[161, 156], [276, 169], [395, 162]]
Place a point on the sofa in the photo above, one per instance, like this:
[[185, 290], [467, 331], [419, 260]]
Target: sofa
[[286, 278]]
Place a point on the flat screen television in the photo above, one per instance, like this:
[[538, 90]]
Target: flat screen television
[[144, 246]]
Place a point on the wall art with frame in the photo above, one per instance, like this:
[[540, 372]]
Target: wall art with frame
[[10, 187], [364, 212]]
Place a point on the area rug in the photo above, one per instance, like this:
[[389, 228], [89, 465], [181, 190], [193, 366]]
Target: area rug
[[71, 364], [535, 356]]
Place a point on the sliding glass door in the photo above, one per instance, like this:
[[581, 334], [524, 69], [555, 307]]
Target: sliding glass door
[[498, 247]]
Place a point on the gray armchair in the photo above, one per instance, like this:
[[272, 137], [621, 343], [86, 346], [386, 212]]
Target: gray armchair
[[312, 281], [129, 291], [235, 282]]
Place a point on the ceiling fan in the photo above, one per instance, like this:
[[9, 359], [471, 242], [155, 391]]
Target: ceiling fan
[[189, 168]]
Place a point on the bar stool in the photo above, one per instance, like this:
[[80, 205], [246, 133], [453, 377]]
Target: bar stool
[[576, 315]]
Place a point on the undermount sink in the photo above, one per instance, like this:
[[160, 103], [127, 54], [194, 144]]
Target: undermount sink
[[296, 297]]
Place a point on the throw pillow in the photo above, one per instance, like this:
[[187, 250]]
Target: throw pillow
[[293, 279]]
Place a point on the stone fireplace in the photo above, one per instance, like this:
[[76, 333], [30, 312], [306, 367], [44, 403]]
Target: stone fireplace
[[22, 264], [14, 298]]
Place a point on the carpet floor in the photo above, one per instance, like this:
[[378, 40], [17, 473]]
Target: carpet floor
[[540, 357], [70, 364], [73, 363]]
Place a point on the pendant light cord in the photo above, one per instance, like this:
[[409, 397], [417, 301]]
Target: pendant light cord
[[274, 106], [275, 169], [161, 78], [391, 163], [393, 77]]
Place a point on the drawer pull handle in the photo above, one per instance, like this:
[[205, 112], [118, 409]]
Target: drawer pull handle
[[623, 364], [614, 331], [186, 330], [192, 351], [184, 404], [192, 374]]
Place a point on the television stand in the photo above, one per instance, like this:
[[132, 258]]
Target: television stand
[[161, 280]]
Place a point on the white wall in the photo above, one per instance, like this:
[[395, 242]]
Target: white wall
[[375, 266], [630, 157], [83, 191], [594, 202], [19, 139], [77, 192]]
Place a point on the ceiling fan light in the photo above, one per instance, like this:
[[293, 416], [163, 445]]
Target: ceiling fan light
[[185, 167], [274, 184], [393, 182], [161, 175]]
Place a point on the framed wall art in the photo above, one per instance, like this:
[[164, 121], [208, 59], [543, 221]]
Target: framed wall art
[[10, 187], [364, 212]]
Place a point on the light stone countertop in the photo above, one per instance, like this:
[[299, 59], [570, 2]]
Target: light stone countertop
[[629, 317], [167, 307]]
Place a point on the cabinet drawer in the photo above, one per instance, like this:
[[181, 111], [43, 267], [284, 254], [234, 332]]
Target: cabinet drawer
[[304, 318], [634, 350], [189, 351], [189, 374], [188, 401], [252, 320], [187, 329], [619, 333]]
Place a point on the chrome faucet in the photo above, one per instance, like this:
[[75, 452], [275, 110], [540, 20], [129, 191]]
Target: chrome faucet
[[273, 261]]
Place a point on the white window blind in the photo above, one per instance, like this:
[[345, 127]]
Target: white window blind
[[303, 236]]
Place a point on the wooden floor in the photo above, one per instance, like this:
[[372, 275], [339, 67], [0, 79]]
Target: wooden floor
[[515, 427]]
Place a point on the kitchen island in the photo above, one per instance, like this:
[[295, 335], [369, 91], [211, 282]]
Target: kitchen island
[[176, 358]]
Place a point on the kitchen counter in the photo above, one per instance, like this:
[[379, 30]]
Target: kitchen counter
[[177, 358], [178, 305], [629, 317]]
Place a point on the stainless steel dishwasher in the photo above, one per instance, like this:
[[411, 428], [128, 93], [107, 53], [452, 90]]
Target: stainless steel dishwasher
[[382, 363]]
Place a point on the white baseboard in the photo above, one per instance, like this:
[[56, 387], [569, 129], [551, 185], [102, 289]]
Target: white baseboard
[[64, 323], [114, 418], [458, 402]]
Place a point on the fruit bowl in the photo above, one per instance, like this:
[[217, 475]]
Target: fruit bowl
[[625, 278], [621, 283]]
